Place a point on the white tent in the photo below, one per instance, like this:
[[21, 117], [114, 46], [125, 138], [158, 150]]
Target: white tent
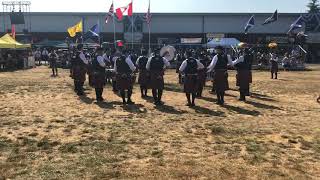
[[225, 42]]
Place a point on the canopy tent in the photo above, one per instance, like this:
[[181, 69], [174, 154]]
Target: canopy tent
[[7, 42], [225, 42]]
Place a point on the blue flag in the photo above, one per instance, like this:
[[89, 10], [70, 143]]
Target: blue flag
[[93, 32], [296, 24], [271, 19], [250, 24]]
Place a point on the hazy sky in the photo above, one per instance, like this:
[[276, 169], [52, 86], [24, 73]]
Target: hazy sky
[[297, 6]]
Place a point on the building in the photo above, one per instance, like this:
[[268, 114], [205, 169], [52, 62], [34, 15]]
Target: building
[[166, 28]]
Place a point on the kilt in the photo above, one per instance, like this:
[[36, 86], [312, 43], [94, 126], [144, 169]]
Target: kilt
[[274, 68], [202, 78], [144, 78], [244, 78], [124, 81], [191, 83], [220, 78], [98, 79], [79, 73], [156, 80]]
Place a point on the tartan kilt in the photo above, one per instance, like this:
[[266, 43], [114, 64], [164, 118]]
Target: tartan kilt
[[244, 78], [79, 73], [156, 80], [202, 78], [144, 78], [124, 81], [191, 83], [98, 80], [220, 78], [274, 68]]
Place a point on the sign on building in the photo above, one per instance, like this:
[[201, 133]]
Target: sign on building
[[191, 40]]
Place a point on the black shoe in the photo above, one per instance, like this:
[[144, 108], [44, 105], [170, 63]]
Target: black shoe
[[188, 104], [100, 99], [193, 105]]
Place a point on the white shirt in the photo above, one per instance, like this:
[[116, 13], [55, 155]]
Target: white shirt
[[273, 57], [230, 62], [37, 54], [45, 53], [185, 63], [165, 61], [128, 61], [101, 62], [83, 58], [106, 58]]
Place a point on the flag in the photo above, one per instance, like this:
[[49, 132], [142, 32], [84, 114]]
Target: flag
[[75, 29], [110, 13], [148, 15], [271, 19], [249, 24], [124, 11], [13, 31], [93, 32], [296, 25]]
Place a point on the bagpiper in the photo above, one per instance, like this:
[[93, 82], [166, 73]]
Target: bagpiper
[[190, 68], [98, 74], [124, 69], [156, 65], [79, 63], [144, 76]]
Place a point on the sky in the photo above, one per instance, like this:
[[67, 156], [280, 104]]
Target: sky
[[173, 6]]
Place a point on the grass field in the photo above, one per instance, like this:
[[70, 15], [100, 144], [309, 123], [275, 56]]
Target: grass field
[[47, 132]]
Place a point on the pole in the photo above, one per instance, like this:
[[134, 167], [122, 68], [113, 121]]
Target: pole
[[132, 27], [149, 25], [114, 28]]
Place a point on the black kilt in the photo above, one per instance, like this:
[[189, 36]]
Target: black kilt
[[274, 68], [124, 81], [79, 73], [156, 80], [191, 83], [98, 79], [244, 78], [220, 78], [144, 78]]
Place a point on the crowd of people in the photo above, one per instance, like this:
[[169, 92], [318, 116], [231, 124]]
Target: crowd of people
[[193, 67]]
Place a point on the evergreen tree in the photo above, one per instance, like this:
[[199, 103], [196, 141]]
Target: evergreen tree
[[314, 6]]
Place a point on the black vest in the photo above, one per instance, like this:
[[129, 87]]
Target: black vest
[[222, 62], [96, 66], [192, 66], [122, 66], [143, 62], [156, 63], [246, 64], [76, 60]]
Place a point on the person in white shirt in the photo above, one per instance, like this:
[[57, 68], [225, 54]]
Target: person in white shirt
[[45, 55], [219, 65], [156, 66], [79, 69], [144, 77], [37, 56], [189, 68], [274, 65], [124, 69], [99, 73], [53, 58]]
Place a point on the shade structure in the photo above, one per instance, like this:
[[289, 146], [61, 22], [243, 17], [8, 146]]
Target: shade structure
[[7, 42]]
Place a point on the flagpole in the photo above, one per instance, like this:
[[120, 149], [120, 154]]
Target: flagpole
[[149, 25], [132, 27], [114, 28]]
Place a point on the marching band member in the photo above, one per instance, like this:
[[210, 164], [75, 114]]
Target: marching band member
[[156, 66], [99, 73], [79, 63], [189, 68], [143, 79], [179, 60], [117, 54], [124, 69], [202, 74], [274, 65], [45, 55], [244, 74], [37, 56], [220, 64], [53, 57]]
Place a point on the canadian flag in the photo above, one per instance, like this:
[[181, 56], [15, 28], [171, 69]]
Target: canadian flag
[[124, 11]]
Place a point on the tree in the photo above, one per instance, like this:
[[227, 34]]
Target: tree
[[314, 6]]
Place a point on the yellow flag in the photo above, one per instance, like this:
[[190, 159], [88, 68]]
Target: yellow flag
[[74, 29]]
